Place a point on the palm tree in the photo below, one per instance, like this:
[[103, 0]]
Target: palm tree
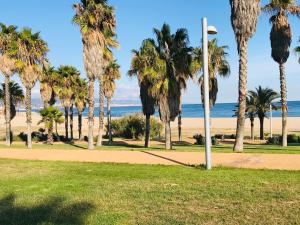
[[80, 100], [281, 38], [112, 73], [218, 65], [97, 22], [244, 14], [47, 82], [174, 51], [50, 116], [8, 36], [16, 97], [262, 98], [297, 51], [141, 62], [31, 58], [64, 89]]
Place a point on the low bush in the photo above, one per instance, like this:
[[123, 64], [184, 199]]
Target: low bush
[[133, 127], [225, 136], [200, 140], [277, 139]]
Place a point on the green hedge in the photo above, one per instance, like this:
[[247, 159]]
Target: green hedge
[[133, 127]]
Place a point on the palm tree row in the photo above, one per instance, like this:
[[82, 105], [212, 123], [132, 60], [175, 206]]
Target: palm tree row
[[244, 16]]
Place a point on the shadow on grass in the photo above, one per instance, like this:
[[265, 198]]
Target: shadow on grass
[[169, 159], [53, 211]]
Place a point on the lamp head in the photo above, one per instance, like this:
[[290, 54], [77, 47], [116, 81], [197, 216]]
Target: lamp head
[[212, 30]]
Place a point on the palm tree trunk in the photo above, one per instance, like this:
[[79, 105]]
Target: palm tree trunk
[[101, 114], [283, 93], [180, 122], [56, 132], [262, 135], [147, 135], [71, 122], [28, 116], [252, 128], [239, 141], [168, 135], [91, 114], [67, 123], [50, 135], [79, 126], [7, 111], [109, 121]]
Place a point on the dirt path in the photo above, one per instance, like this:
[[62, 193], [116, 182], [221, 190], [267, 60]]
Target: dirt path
[[257, 161]]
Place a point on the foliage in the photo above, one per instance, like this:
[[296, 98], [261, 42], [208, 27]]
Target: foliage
[[217, 65], [200, 140], [16, 96], [50, 116], [277, 139], [133, 126]]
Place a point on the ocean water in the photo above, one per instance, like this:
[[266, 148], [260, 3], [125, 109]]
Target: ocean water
[[220, 110]]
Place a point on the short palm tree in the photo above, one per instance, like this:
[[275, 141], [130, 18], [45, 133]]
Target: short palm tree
[[80, 100], [51, 116], [218, 66], [142, 64], [8, 49], [64, 89], [97, 22], [281, 38], [262, 98], [112, 73], [173, 51], [32, 52], [16, 97], [244, 14]]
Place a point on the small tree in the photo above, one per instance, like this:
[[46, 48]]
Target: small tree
[[51, 116]]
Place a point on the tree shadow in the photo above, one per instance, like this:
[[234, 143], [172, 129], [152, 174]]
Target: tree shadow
[[54, 211]]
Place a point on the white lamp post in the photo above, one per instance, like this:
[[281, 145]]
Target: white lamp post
[[205, 31], [271, 121]]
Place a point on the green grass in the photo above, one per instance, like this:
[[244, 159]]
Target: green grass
[[226, 148], [61, 193]]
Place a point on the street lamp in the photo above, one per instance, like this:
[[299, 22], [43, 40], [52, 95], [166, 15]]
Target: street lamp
[[205, 31]]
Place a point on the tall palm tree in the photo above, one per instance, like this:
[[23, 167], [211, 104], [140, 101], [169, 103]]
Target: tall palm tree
[[174, 51], [297, 51], [244, 14], [31, 59], [50, 117], [8, 37], [142, 62], [16, 97], [281, 38], [97, 22], [80, 100], [112, 73], [47, 82], [262, 98], [64, 89], [218, 66]]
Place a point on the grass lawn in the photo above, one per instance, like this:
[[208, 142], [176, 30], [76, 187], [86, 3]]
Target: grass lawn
[[60, 193], [227, 148]]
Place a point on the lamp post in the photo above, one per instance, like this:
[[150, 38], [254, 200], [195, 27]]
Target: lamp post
[[271, 121], [205, 31]]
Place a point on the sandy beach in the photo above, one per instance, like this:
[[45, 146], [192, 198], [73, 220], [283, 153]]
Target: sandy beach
[[190, 126]]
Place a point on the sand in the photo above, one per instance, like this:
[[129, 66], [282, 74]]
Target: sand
[[190, 126], [254, 161]]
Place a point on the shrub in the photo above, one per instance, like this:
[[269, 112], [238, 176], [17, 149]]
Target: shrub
[[293, 138], [133, 127], [225, 136], [200, 140], [276, 140]]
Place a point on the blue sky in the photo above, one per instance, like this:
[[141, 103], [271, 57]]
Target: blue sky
[[135, 22]]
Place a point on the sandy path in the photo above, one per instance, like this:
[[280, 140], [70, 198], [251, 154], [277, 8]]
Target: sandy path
[[255, 161]]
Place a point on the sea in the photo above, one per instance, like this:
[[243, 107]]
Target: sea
[[220, 110]]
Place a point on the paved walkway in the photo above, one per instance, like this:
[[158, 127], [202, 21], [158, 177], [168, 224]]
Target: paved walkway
[[240, 160]]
